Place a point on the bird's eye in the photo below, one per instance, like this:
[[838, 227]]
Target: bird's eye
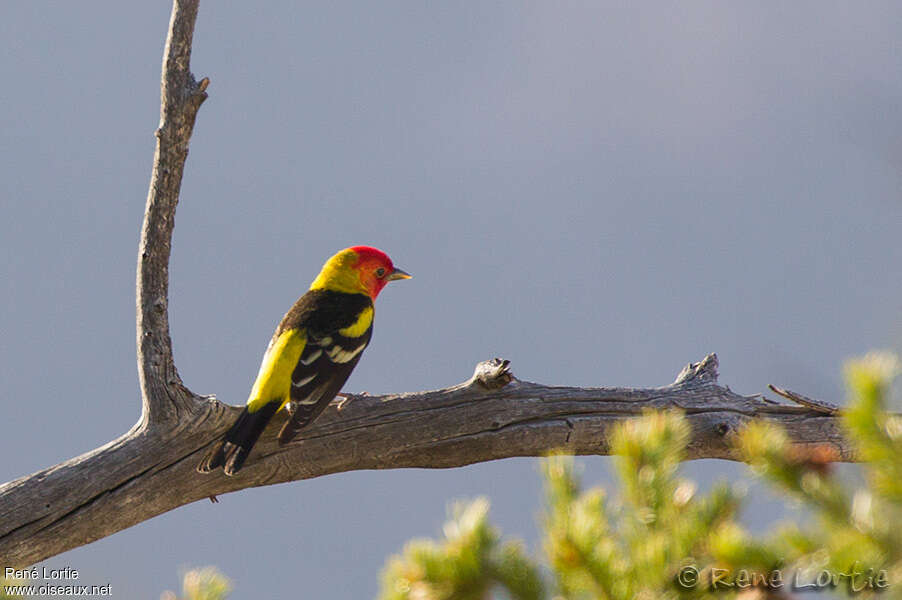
[[380, 272]]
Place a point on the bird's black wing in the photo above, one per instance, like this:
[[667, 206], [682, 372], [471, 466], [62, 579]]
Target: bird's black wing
[[327, 360]]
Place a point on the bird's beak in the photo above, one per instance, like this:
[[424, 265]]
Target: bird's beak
[[398, 274]]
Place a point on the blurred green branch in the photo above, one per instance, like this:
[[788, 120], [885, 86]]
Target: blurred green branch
[[662, 539], [202, 584]]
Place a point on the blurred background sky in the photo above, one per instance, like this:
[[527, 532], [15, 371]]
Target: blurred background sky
[[600, 192]]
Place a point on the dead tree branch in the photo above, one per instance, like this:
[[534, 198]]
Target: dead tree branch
[[163, 395], [150, 469]]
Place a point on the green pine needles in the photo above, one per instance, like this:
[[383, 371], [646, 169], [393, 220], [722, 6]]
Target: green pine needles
[[662, 539], [467, 564], [206, 583]]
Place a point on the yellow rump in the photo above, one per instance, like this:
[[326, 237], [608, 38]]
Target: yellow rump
[[273, 382]]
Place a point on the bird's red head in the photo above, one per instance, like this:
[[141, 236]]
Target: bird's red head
[[359, 269]]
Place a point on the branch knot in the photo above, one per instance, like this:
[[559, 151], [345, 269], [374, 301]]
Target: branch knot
[[492, 374], [700, 372]]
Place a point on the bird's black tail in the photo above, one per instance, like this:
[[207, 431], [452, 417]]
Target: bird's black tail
[[233, 449]]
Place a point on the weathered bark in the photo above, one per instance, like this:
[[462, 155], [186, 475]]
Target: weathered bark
[[164, 397], [150, 469]]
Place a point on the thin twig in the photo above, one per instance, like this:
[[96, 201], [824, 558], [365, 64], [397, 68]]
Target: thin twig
[[820, 406]]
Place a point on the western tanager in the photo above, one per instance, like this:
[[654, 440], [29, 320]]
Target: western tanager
[[312, 353]]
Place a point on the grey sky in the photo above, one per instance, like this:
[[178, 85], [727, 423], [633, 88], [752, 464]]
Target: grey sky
[[600, 192]]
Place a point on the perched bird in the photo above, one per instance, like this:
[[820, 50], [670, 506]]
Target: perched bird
[[312, 353]]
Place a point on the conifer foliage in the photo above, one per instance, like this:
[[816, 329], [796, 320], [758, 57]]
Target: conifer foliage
[[662, 539]]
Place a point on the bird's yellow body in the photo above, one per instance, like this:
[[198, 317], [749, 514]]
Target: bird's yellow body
[[273, 383]]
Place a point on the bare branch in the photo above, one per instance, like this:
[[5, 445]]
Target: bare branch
[[148, 472], [164, 396]]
